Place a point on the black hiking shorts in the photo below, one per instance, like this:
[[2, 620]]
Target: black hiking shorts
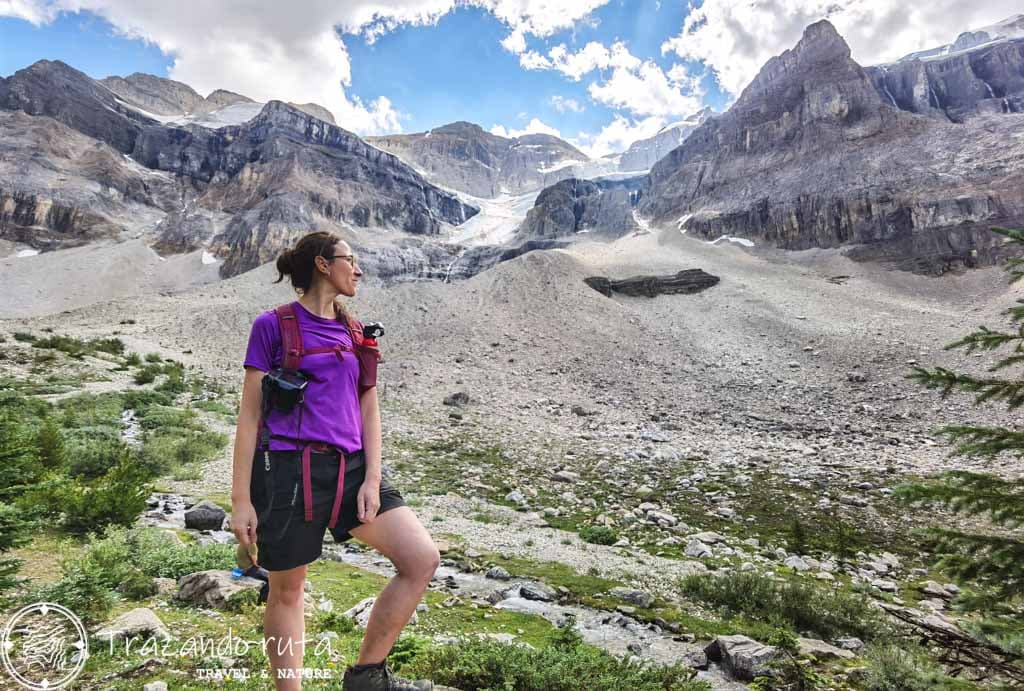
[[284, 537]]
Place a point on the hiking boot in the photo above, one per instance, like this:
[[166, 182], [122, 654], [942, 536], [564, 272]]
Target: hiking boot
[[381, 678]]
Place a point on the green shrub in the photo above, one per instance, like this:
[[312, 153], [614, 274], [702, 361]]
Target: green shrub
[[50, 445], [153, 357], [116, 498], [175, 382], [93, 452], [599, 535], [15, 531], [137, 586], [81, 589], [896, 668], [146, 375], [406, 649], [24, 337], [132, 360], [799, 605], [155, 553], [333, 621], [493, 666], [162, 453], [114, 346]]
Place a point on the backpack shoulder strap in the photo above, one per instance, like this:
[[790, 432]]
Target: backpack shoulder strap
[[291, 336], [355, 328]]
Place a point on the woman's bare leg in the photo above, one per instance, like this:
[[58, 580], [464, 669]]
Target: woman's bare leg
[[284, 626], [399, 536]]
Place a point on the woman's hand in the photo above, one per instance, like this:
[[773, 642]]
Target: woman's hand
[[243, 524], [368, 501]]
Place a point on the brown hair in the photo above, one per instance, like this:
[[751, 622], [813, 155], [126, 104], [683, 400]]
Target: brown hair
[[299, 265]]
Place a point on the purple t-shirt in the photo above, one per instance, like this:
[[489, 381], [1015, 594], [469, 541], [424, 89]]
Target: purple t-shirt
[[330, 412]]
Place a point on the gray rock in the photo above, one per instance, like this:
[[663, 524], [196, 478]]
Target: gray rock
[[852, 644], [139, 621], [634, 597], [205, 516], [158, 685], [698, 550], [822, 650], [498, 574], [742, 657], [566, 476], [797, 563], [534, 590], [213, 588], [459, 398]]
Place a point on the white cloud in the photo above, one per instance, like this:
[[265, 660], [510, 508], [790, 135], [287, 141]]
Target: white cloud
[[736, 37], [638, 86], [646, 90], [290, 50], [515, 42], [535, 126], [564, 105], [30, 10], [539, 17], [617, 135]]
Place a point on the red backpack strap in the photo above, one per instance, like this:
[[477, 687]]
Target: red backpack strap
[[291, 336]]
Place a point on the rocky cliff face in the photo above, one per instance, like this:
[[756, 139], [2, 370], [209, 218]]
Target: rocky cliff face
[[246, 191], [464, 157], [643, 154], [810, 155], [154, 94], [602, 207], [957, 87]]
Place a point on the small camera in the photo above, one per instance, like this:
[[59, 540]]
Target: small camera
[[373, 330]]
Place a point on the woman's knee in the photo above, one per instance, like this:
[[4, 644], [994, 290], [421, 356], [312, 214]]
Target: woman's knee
[[288, 587], [420, 564]]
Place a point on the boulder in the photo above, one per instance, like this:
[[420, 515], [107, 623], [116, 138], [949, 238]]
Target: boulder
[[537, 591], [205, 516], [139, 621], [686, 281], [822, 650], [634, 597], [498, 573], [213, 588], [742, 657]]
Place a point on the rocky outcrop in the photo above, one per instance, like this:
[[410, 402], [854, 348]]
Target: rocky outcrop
[[810, 155], [53, 89], [985, 80], [464, 157], [221, 98], [315, 110], [278, 175], [686, 281], [156, 95], [570, 207], [742, 657], [643, 154]]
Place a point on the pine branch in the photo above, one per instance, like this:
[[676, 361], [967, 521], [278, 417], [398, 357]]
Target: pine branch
[[986, 339], [996, 561], [984, 442], [971, 494], [1014, 265], [986, 388]]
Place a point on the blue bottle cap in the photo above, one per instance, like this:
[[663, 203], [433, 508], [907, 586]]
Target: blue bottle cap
[[237, 573]]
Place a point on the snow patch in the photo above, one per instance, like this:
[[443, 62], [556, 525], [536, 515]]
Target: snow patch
[[27, 253], [208, 258], [682, 221], [729, 238]]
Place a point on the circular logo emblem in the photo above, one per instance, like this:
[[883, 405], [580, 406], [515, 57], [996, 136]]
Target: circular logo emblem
[[44, 646]]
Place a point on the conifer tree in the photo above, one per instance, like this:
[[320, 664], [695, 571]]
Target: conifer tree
[[992, 558]]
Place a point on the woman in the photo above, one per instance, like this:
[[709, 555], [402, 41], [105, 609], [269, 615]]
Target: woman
[[336, 416]]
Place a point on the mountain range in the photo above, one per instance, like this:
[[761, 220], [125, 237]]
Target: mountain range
[[907, 163]]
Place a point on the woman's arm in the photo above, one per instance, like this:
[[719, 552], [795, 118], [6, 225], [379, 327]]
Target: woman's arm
[[243, 516], [369, 493]]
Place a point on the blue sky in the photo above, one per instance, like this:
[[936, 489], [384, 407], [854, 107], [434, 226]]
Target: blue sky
[[599, 73]]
